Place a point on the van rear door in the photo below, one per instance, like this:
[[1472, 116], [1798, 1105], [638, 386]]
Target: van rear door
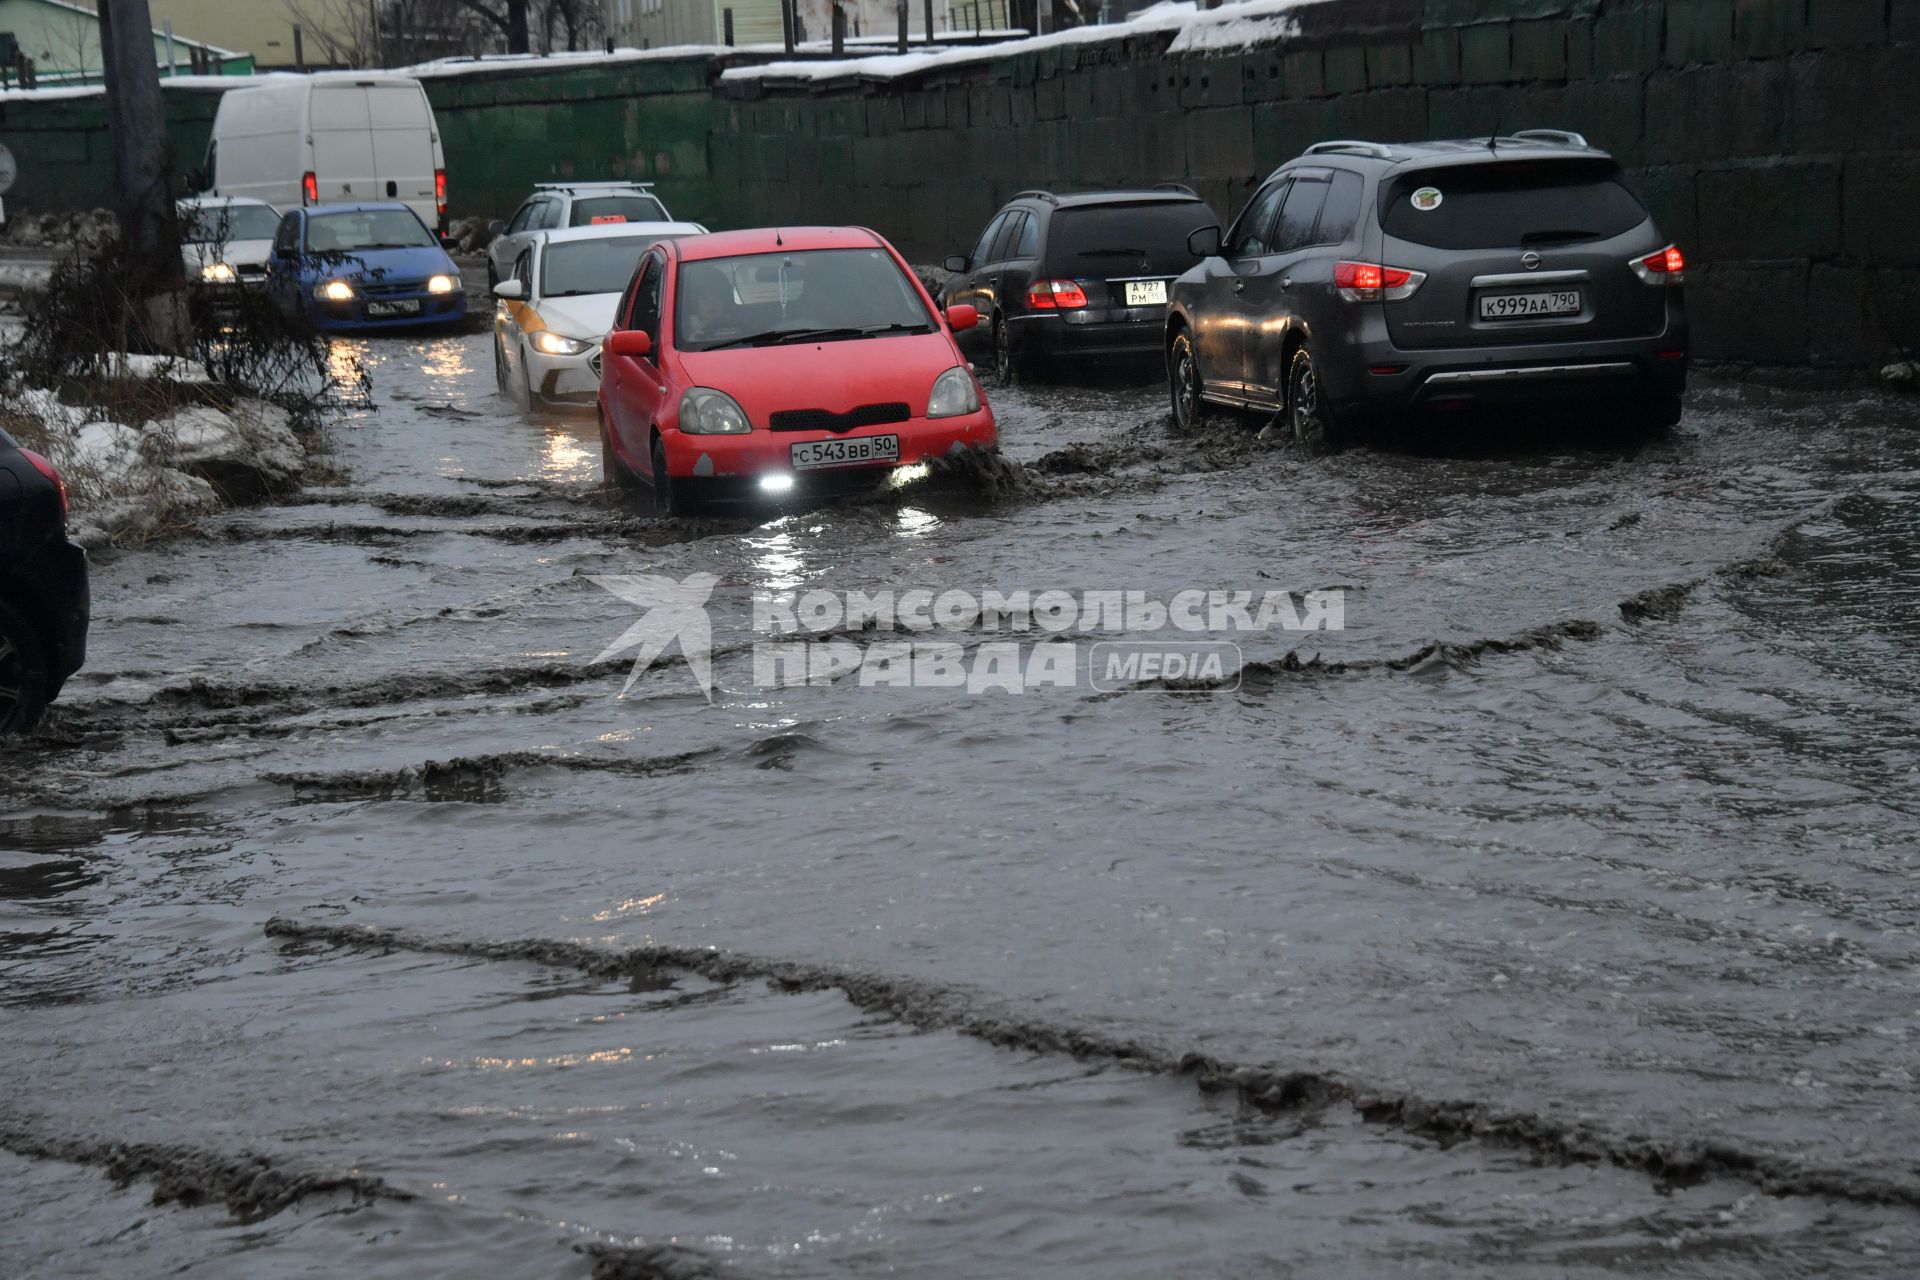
[[403, 153], [343, 164]]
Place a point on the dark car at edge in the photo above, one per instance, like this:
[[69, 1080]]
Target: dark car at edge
[[1365, 281], [43, 588], [1075, 275]]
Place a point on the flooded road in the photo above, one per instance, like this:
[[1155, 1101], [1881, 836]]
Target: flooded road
[[1554, 918]]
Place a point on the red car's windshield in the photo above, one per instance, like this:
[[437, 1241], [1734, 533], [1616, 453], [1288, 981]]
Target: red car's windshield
[[805, 295]]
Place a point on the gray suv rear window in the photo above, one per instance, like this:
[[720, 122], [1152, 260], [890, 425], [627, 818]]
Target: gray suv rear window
[[1509, 205], [1099, 241]]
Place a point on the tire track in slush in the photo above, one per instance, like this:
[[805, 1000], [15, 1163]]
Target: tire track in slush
[[1674, 1160], [254, 1187]]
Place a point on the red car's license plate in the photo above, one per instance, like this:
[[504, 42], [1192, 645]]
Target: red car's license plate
[[846, 453]]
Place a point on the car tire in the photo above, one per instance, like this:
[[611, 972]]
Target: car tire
[[26, 679], [523, 396], [1189, 409], [1010, 367], [666, 502], [1661, 412], [1309, 422]]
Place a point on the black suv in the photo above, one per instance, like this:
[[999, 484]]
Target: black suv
[[43, 588], [1365, 280], [1069, 275]]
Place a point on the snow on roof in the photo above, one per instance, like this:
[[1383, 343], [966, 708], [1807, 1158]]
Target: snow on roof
[[1231, 26]]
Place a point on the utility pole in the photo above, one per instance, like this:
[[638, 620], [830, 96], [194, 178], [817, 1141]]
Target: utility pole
[[137, 126], [517, 40], [839, 29], [903, 26]]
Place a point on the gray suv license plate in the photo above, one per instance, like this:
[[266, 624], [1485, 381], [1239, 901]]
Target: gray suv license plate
[[1524, 306]]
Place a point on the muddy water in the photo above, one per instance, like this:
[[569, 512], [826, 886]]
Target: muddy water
[[1558, 920]]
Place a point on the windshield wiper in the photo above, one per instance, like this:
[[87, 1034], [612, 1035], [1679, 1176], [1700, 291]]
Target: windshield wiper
[[1556, 237], [774, 337]]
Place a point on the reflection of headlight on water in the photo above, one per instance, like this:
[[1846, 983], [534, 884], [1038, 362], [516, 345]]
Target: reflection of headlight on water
[[904, 476], [776, 484]]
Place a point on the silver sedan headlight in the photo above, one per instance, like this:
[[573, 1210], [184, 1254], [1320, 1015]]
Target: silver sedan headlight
[[954, 394]]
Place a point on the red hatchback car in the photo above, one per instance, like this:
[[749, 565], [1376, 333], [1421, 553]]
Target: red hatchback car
[[781, 362]]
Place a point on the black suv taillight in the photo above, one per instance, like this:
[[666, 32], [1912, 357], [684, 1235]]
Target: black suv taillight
[[48, 470]]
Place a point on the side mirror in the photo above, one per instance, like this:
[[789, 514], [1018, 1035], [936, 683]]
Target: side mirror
[[1204, 243], [958, 262], [629, 342], [962, 317], [496, 228], [510, 289]]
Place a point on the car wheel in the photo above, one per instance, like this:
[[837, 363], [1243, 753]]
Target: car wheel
[[1307, 416], [525, 397], [665, 501], [1661, 412], [1183, 378], [24, 675], [1007, 365]]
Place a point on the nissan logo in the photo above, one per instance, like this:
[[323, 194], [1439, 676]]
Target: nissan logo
[[1531, 261]]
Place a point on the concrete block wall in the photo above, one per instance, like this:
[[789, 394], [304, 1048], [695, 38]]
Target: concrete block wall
[[1777, 140]]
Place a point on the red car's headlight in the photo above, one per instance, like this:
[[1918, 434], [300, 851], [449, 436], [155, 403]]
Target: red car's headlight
[[954, 394], [706, 412]]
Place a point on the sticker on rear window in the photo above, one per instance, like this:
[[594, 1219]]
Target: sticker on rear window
[[603, 219], [1427, 199]]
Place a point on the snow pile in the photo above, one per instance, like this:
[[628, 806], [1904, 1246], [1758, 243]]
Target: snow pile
[[89, 229], [246, 452], [1231, 26], [1903, 375], [133, 482], [1261, 22]]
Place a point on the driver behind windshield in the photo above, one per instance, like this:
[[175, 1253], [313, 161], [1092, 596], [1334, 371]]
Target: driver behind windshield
[[711, 310]]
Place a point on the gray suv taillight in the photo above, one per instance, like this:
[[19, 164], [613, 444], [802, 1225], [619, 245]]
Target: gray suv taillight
[[1374, 282], [1669, 266]]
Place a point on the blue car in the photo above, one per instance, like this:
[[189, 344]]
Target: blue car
[[355, 267]]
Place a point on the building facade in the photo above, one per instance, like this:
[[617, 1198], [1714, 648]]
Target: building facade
[[62, 40]]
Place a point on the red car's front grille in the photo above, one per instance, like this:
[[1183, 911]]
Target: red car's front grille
[[867, 415]]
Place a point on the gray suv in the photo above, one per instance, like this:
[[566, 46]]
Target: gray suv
[[1366, 281]]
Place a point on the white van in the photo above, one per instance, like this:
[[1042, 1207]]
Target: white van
[[329, 138]]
